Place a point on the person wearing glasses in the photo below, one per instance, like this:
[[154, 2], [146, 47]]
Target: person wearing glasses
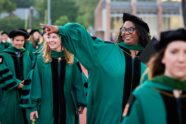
[[106, 63], [162, 98], [133, 38]]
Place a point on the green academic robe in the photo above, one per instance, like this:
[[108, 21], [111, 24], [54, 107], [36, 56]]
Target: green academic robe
[[29, 46], [155, 103], [57, 90], [4, 46], [106, 64], [34, 51], [17, 64]]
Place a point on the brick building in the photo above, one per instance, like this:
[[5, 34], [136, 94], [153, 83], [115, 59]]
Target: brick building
[[159, 14]]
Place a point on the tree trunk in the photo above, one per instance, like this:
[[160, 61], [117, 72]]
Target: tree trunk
[[184, 11]]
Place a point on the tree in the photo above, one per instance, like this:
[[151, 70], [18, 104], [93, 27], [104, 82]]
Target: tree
[[23, 3], [76, 10], [41, 7], [63, 7], [58, 8], [87, 12], [11, 22], [184, 11], [7, 6], [62, 20], [83, 20]]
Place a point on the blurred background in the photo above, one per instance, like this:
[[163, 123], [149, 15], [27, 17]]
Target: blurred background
[[101, 17]]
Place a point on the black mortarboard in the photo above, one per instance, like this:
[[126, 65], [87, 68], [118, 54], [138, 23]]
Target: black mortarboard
[[34, 30], [135, 19], [18, 32], [149, 51], [167, 37]]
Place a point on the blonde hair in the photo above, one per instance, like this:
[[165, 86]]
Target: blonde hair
[[47, 54], [31, 39]]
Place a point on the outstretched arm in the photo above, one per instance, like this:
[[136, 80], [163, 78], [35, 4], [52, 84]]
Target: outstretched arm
[[89, 51]]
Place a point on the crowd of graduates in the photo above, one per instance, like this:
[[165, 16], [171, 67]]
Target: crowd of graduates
[[42, 77]]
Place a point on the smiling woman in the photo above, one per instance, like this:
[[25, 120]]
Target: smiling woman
[[133, 38], [134, 26], [162, 99], [54, 42], [57, 85], [129, 33], [108, 92]]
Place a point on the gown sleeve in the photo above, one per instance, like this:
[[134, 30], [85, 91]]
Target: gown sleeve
[[89, 51], [7, 80], [78, 87], [35, 95]]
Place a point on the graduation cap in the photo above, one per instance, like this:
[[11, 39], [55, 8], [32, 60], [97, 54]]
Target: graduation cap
[[135, 19], [167, 37], [148, 51], [18, 32], [33, 31]]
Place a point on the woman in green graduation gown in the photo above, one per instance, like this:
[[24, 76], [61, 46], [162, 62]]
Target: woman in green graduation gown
[[133, 38], [18, 62], [57, 91], [107, 67], [162, 99], [35, 42]]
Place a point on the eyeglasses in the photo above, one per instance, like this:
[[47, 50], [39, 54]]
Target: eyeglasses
[[129, 30]]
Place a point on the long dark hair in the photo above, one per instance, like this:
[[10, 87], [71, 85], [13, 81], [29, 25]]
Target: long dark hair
[[144, 36]]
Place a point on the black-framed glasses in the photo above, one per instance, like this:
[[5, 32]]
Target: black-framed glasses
[[129, 30]]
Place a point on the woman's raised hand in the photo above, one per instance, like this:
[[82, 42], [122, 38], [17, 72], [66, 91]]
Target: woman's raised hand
[[49, 28]]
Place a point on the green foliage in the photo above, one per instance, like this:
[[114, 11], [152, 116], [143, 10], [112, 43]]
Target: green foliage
[[36, 23], [62, 11], [62, 20], [41, 7], [23, 3], [86, 10], [63, 7], [11, 22], [83, 20], [58, 8], [7, 6]]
